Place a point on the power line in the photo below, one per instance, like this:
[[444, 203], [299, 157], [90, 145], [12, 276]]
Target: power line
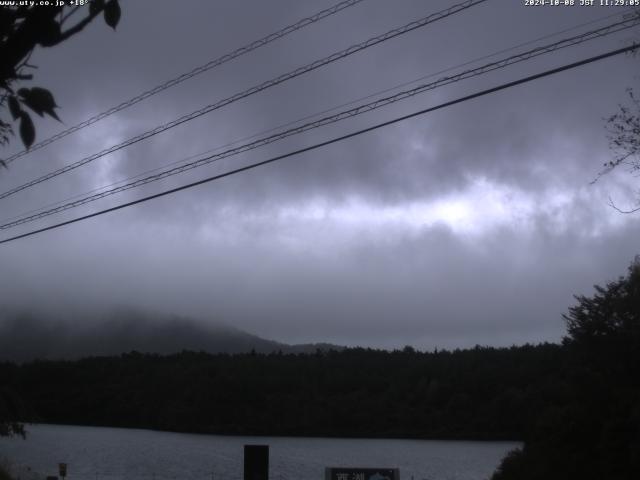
[[263, 86], [333, 140], [317, 114], [322, 112], [313, 115], [186, 76], [571, 41]]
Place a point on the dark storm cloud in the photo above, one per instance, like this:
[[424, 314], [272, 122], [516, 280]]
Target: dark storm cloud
[[474, 224], [491, 133]]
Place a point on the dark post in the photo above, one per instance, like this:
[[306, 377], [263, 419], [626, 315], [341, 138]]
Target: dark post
[[256, 462]]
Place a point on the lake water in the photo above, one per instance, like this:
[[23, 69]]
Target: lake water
[[114, 453]]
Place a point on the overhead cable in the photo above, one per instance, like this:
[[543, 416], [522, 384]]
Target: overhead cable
[[251, 91], [382, 102], [331, 141], [313, 115], [186, 76]]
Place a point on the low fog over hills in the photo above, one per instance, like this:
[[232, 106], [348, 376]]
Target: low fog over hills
[[26, 336]]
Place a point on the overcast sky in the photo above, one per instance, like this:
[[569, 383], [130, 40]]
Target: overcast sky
[[474, 224]]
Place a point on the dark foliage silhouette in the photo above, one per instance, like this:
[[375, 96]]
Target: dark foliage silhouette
[[22, 29], [12, 409], [594, 432], [481, 393]]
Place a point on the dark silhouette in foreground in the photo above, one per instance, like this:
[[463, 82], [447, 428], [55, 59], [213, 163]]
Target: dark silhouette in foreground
[[594, 432], [24, 27]]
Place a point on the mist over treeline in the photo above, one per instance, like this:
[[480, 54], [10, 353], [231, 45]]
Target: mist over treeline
[[52, 335]]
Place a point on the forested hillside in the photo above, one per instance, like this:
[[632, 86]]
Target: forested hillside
[[482, 393]]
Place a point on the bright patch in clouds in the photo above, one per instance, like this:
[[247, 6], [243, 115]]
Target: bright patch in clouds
[[477, 210]]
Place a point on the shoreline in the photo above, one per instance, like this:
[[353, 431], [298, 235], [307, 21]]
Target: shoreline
[[274, 435]]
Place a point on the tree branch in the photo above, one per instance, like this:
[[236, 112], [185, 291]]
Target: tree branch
[[68, 15], [618, 209], [78, 27], [23, 40]]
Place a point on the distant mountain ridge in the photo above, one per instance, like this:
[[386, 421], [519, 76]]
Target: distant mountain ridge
[[25, 337]]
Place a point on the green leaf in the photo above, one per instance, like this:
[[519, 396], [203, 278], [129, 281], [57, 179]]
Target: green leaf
[[14, 107], [112, 13], [27, 130]]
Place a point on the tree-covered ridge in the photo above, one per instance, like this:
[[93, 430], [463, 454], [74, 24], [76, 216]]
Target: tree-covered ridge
[[481, 393]]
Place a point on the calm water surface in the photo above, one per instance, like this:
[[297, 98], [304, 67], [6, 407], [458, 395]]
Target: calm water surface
[[115, 453]]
